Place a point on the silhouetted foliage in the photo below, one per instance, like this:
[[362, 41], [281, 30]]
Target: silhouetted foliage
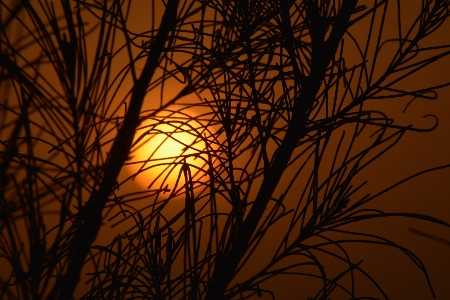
[[290, 100]]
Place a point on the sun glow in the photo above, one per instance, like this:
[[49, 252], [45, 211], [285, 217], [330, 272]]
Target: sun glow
[[163, 146]]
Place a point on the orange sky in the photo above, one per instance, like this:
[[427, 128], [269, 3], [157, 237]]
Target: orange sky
[[427, 194]]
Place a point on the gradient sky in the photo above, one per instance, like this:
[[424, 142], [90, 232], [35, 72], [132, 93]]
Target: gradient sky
[[428, 194]]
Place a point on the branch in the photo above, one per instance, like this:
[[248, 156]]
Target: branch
[[89, 219], [226, 264]]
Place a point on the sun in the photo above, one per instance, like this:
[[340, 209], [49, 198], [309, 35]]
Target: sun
[[165, 146]]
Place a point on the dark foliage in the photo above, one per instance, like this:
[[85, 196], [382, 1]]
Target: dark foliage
[[287, 104]]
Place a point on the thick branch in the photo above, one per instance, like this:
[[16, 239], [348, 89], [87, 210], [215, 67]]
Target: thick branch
[[90, 217], [226, 266]]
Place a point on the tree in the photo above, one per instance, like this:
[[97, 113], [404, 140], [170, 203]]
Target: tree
[[291, 100]]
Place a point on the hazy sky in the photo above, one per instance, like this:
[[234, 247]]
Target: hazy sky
[[428, 194]]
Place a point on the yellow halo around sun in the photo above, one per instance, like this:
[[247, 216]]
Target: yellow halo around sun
[[162, 146]]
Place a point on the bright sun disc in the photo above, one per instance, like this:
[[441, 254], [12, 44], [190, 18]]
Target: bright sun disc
[[162, 147]]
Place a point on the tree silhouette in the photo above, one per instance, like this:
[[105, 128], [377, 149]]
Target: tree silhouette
[[291, 100]]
